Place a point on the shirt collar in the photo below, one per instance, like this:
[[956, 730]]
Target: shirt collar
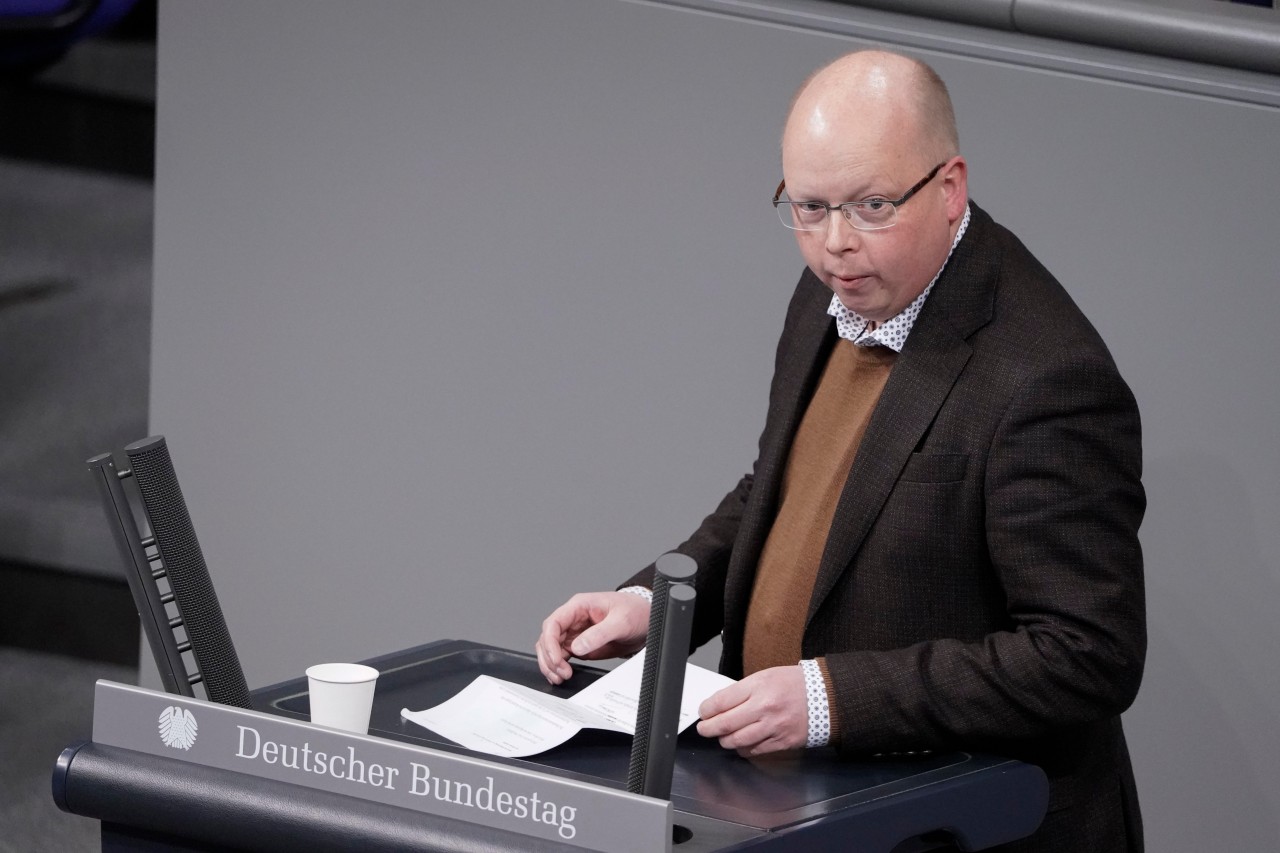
[[892, 333]]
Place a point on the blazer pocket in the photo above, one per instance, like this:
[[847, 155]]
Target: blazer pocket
[[935, 468]]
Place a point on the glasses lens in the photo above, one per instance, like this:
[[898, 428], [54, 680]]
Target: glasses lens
[[870, 215], [802, 216]]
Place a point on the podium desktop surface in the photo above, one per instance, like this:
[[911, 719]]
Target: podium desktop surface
[[806, 801], [767, 794], [764, 794]]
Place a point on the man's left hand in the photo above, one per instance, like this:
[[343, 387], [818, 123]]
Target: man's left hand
[[765, 712]]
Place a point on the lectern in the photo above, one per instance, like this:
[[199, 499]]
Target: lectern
[[266, 779], [236, 770]]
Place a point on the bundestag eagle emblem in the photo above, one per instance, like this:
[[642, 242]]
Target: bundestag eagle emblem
[[177, 727]]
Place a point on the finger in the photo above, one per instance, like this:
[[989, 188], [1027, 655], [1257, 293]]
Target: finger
[[557, 631], [557, 627], [552, 659], [547, 662], [554, 652], [727, 722], [773, 746], [748, 738], [723, 700], [547, 672], [554, 668], [594, 639], [599, 639], [770, 746]]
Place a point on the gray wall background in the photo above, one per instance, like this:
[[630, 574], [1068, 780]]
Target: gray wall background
[[461, 307]]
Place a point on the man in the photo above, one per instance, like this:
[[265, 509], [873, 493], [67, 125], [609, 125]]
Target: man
[[937, 547]]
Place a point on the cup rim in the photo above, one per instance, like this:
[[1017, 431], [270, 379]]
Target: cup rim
[[342, 673]]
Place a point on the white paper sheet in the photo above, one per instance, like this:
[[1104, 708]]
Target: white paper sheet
[[501, 718]]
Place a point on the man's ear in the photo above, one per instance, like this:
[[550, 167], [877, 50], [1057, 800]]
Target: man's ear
[[955, 187]]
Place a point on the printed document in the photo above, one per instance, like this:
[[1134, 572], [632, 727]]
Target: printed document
[[501, 718]]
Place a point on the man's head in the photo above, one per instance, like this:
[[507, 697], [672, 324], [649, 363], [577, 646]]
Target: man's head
[[869, 126]]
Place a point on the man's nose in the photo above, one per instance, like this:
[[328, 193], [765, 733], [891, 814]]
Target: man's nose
[[841, 235]]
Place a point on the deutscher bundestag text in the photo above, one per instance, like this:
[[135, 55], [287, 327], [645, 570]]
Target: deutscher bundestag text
[[421, 781]]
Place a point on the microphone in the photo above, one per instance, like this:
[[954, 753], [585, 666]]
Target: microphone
[[672, 570]]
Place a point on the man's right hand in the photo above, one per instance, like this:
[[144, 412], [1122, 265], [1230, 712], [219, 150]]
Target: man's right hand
[[591, 626]]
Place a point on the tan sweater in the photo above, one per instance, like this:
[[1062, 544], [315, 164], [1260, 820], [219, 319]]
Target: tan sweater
[[819, 463]]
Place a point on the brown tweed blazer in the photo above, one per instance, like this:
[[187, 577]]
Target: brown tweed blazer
[[981, 587]]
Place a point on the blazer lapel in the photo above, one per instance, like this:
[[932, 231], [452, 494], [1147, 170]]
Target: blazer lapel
[[929, 365]]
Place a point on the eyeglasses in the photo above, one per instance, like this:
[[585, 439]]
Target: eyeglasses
[[873, 215]]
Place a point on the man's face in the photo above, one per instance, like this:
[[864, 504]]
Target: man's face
[[875, 273]]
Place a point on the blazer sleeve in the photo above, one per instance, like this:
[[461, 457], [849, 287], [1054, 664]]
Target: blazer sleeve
[[1062, 502], [712, 545]]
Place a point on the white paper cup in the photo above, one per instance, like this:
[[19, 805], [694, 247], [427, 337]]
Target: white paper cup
[[342, 695]]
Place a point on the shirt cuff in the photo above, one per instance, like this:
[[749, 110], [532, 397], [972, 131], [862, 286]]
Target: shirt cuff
[[642, 591], [815, 689]]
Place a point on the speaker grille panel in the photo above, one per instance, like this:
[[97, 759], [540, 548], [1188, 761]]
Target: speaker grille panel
[[197, 603]]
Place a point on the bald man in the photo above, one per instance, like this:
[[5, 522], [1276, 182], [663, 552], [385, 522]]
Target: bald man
[[937, 546]]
